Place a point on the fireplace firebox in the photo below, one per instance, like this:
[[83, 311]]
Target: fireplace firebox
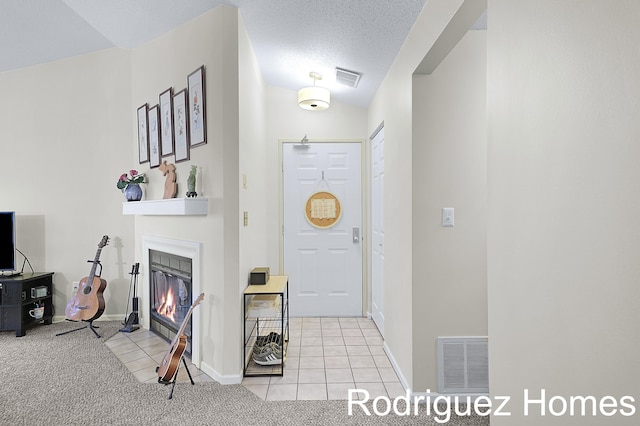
[[170, 294]]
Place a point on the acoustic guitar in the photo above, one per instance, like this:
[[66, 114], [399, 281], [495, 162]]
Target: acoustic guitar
[[88, 303], [169, 365]]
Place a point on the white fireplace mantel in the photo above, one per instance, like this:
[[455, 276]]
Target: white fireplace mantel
[[169, 206]]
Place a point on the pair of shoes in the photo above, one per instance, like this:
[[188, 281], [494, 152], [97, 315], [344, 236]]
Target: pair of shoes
[[269, 354], [262, 341], [268, 349]]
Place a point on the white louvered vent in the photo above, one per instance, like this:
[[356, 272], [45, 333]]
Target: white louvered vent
[[348, 78], [463, 365]]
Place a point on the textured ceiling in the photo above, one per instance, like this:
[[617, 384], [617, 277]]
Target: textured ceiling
[[290, 37]]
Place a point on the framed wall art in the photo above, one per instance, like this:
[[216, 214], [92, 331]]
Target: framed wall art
[[181, 126], [197, 113], [166, 122], [154, 136], [143, 134]]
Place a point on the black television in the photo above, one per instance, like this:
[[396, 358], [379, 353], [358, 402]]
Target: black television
[[7, 242]]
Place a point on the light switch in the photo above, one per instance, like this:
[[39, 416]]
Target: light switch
[[447, 217], [244, 181], [246, 218]]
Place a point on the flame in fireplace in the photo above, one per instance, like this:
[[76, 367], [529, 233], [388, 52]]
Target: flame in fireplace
[[167, 307]]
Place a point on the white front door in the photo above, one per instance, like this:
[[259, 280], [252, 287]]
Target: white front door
[[322, 217], [377, 230]]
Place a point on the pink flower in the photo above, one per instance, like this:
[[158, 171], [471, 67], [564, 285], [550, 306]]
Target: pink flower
[[125, 179]]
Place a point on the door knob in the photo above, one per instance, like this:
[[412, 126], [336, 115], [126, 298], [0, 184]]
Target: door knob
[[356, 235]]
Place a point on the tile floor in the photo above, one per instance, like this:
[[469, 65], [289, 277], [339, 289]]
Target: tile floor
[[142, 351], [325, 358]]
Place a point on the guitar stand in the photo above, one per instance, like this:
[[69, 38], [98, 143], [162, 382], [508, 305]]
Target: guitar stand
[[175, 377], [89, 326]]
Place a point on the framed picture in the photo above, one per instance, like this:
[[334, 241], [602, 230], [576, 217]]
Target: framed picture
[[143, 134], [181, 126], [166, 122], [154, 136], [197, 113]]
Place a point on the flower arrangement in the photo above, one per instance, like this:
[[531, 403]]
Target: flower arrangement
[[132, 177]]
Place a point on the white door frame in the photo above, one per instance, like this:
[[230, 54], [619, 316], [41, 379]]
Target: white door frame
[[378, 319], [364, 231]]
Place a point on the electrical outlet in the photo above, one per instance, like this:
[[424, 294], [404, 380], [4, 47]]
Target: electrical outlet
[[75, 288]]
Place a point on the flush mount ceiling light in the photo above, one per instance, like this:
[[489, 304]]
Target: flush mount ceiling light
[[314, 98]]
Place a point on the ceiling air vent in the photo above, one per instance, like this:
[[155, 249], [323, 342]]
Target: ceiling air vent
[[348, 78]]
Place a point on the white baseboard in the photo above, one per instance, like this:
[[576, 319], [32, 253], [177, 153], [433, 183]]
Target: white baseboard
[[396, 367], [230, 379], [61, 318]]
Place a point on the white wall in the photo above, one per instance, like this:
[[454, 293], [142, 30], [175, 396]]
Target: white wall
[[449, 170], [252, 166], [287, 121], [65, 139], [564, 214], [253, 160], [211, 40], [392, 105]]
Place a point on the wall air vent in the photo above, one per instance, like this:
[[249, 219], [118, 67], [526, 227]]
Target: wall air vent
[[463, 365], [348, 78]]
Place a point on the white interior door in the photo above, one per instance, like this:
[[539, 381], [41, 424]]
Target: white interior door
[[377, 230], [322, 249]]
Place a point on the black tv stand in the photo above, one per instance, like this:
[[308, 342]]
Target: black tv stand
[[21, 294], [10, 274]]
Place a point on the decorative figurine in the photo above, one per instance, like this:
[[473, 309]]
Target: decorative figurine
[[170, 185], [191, 183]]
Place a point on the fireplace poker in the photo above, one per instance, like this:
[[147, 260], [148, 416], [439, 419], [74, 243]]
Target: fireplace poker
[[129, 324]]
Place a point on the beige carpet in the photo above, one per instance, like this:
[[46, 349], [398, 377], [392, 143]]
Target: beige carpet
[[75, 380]]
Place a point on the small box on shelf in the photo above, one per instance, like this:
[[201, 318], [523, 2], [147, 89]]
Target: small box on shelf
[[259, 276]]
